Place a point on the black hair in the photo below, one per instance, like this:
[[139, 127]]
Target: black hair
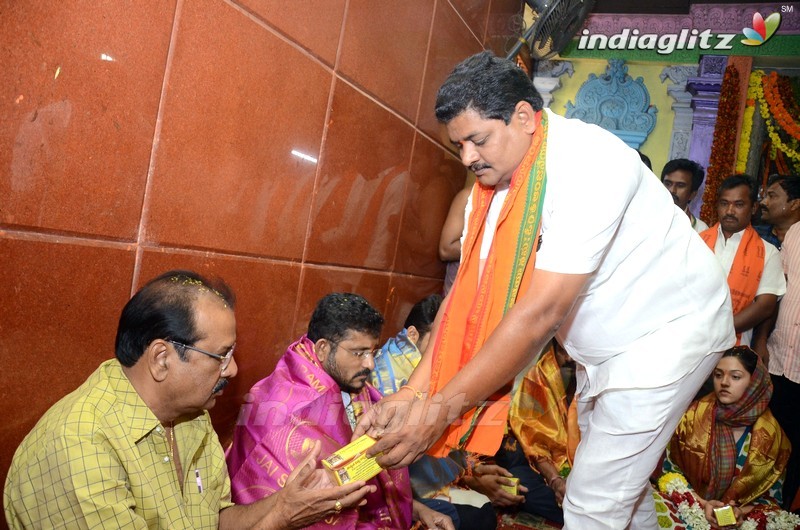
[[423, 313], [338, 313], [734, 181], [684, 164], [646, 160], [789, 183], [164, 309], [746, 356], [487, 84]]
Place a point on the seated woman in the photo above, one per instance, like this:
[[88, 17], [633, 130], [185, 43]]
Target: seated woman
[[728, 446]]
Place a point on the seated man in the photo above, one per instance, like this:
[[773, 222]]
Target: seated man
[[316, 392], [133, 446], [683, 178], [755, 275]]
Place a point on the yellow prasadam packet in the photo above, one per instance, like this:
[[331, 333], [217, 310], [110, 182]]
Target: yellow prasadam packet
[[513, 489], [351, 464], [725, 516]]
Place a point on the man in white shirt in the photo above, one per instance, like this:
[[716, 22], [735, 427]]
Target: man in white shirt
[[682, 178], [613, 271], [781, 208], [755, 275]]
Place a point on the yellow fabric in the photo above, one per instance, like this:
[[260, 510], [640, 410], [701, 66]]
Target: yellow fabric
[[540, 418], [96, 459], [476, 304], [766, 460]]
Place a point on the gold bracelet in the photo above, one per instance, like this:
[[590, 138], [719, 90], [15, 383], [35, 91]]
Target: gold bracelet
[[417, 393], [549, 482]]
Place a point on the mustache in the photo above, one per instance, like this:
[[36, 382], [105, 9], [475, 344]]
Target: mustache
[[364, 372], [674, 198], [222, 383], [477, 167], [730, 217]]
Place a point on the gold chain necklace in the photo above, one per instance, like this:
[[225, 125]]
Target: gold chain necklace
[[170, 435], [170, 432]]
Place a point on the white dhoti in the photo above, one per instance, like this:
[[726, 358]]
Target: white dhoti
[[623, 435]]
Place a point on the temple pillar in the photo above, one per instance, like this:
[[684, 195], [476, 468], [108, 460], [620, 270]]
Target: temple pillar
[[547, 79], [705, 90], [682, 108]]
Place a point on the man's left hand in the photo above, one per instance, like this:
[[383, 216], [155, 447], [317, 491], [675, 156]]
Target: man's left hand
[[489, 479]]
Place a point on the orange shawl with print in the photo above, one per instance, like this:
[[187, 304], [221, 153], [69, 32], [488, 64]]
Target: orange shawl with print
[[540, 418], [746, 270], [476, 305]]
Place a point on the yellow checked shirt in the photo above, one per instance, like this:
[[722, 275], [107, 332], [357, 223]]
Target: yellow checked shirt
[[99, 458]]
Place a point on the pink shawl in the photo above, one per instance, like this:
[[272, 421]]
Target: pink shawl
[[298, 403]]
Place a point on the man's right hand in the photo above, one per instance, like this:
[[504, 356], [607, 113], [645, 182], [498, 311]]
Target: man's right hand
[[308, 496], [386, 416]]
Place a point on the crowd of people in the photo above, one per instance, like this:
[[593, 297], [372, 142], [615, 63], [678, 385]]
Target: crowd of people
[[561, 376]]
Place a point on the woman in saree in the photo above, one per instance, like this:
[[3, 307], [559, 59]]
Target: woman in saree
[[728, 446]]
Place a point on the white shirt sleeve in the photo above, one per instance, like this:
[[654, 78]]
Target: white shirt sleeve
[[772, 279]]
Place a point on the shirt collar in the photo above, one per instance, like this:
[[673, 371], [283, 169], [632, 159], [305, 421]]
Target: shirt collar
[[140, 420], [735, 237]]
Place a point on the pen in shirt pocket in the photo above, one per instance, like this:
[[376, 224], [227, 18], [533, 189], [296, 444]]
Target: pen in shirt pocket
[[199, 481]]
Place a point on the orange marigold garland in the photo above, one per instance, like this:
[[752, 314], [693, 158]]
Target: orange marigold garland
[[777, 108], [776, 118], [723, 147]]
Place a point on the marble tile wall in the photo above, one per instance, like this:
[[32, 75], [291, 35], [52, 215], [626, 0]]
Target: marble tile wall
[[288, 147]]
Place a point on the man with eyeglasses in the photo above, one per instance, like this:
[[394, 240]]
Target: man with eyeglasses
[[316, 392], [133, 446]]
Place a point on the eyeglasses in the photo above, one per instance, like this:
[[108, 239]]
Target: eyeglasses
[[377, 352], [224, 360]]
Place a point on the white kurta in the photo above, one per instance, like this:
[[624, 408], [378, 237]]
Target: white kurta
[[646, 330]]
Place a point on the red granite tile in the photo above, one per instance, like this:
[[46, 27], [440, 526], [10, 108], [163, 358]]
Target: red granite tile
[[451, 43], [384, 50], [82, 85], [475, 13], [58, 320], [240, 102], [313, 24], [362, 181], [404, 292], [505, 26], [436, 176]]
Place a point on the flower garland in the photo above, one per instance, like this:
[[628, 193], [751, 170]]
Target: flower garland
[[777, 108], [760, 519], [676, 488], [723, 156], [747, 122], [777, 142]]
